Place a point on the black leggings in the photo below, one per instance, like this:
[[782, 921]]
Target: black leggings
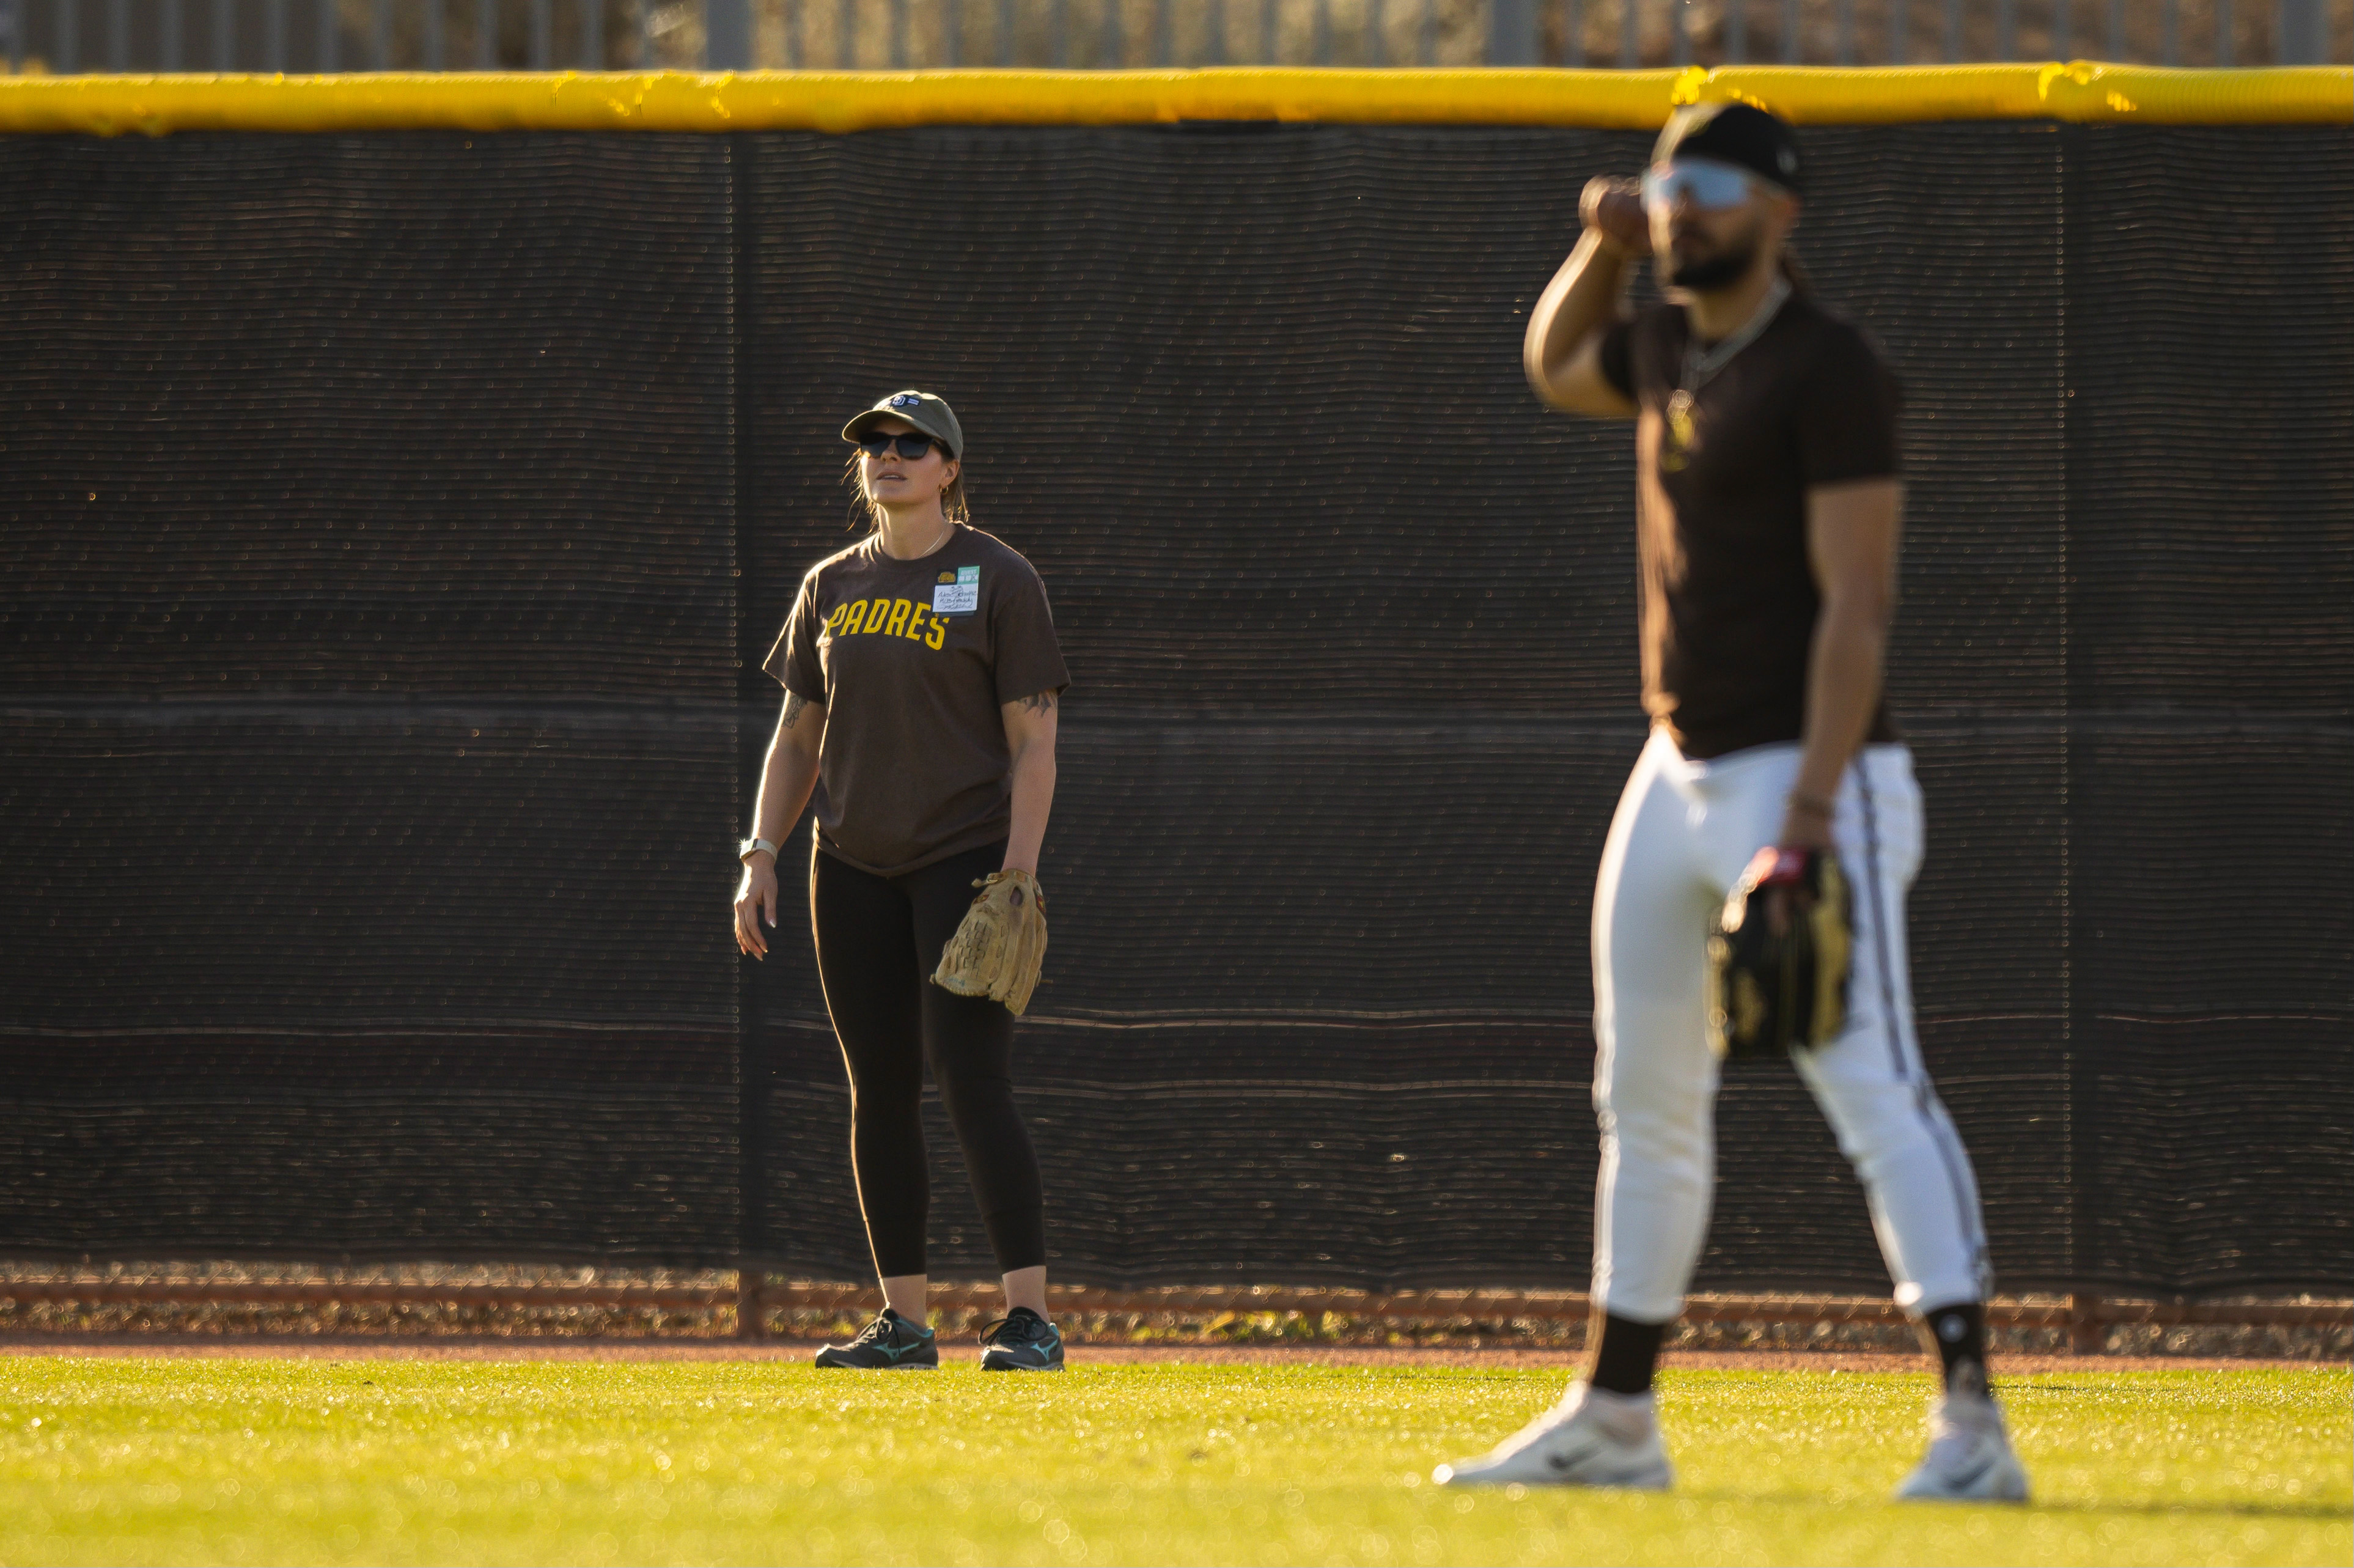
[[878, 940]]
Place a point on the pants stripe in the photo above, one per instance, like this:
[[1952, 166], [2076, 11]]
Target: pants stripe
[[1880, 919], [1925, 1097]]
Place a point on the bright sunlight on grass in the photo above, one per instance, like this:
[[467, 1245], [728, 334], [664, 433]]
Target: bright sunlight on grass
[[106, 1460]]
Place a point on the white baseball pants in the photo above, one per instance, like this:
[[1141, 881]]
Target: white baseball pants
[[1683, 832]]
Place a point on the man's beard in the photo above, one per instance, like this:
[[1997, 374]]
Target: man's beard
[[1712, 273]]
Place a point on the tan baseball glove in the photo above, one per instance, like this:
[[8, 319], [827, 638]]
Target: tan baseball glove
[[998, 949]]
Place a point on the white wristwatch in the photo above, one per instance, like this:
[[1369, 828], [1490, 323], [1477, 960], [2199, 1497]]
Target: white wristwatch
[[744, 849]]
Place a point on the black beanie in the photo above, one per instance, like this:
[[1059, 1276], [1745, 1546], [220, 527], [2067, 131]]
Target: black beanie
[[1735, 134]]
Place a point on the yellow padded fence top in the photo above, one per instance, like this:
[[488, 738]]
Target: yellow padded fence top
[[2081, 92]]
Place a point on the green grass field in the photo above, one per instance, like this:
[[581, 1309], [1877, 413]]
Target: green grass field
[[121, 1460]]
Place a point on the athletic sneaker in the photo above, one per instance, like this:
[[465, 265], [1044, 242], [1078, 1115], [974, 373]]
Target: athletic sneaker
[[1969, 1457], [890, 1344], [1592, 1438], [1022, 1342]]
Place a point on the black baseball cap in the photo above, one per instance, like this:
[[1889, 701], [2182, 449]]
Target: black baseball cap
[[1741, 135]]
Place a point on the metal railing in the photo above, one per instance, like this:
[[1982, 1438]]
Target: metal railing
[[71, 36]]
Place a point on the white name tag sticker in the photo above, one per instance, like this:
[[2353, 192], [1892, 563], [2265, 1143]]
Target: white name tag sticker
[[962, 596]]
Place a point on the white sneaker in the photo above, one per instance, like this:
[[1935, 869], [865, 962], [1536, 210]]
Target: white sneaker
[[1969, 1457], [1592, 1438]]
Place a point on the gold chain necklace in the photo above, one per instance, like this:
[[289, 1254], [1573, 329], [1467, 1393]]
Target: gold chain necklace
[[1700, 369]]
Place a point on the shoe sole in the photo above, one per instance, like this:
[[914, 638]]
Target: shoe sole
[[988, 1365], [1446, 1476], [1655, 1477], [1988, 1495], [1997, 1483], [824, 1365]]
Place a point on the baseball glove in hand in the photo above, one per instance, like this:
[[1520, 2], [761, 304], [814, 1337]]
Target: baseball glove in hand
[[997, 949], [1778, 956]]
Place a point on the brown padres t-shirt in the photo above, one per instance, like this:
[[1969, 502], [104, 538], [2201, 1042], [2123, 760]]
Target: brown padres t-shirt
[[913, 660], [1729, 601]]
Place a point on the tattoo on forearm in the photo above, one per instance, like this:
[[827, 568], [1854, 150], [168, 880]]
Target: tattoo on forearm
[[794, 703], [1042, 703]]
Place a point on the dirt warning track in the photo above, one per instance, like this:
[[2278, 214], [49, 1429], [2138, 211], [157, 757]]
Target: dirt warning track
[[338, 1348]]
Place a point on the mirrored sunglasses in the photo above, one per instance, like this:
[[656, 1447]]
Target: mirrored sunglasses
[[1709, 185], [911, 446]]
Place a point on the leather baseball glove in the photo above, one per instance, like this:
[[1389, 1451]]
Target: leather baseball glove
[[1001, 943], [1778, 956]]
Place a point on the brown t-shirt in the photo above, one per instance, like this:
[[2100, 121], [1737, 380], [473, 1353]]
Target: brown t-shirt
[[913, 660], [1729, 601]]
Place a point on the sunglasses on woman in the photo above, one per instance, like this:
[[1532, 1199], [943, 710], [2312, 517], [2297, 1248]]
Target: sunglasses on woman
[[910, 447]]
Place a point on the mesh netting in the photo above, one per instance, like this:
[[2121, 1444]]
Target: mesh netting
[[396, 518]]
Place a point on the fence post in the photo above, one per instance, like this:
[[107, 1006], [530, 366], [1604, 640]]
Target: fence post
[[2087, 1334], [1511, 33], [754, 1061], [727, 35], [2303, 37], [2080, 820]]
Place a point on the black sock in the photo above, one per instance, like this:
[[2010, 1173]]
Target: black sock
[[1958, 1335], [1623, 1353]]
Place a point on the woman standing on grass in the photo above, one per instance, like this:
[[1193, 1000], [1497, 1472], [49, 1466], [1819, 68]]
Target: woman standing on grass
[[921, 680]]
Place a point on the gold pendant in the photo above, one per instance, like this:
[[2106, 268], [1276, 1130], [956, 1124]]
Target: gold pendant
[[1680, 430]]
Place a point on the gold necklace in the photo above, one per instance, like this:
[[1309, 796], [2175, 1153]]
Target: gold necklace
[[934, 548], [1700, 369]]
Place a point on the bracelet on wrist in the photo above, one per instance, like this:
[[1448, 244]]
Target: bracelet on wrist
[[1813, 805]]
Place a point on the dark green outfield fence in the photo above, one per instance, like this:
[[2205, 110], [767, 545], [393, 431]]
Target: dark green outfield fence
[[393, 524]]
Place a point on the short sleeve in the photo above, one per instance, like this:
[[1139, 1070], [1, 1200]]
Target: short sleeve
[[1847, 414], [794, 660], [1617, 357], [1029, 660]]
